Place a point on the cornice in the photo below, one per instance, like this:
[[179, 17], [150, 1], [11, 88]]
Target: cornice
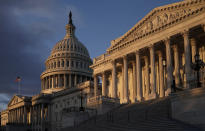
[[158, 19]]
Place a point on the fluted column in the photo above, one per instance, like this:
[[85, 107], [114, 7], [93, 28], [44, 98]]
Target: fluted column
[[35, 115], [103, 84], [45, 83], [95, 85], [193, 48], [169, 66], [49, 82], [114, 88], [25, 115], [126, 97], [17, 116], [49, 113], [176, 65], [42, 116], [76, 79], [31, 116], [13, 118], [16, 119], [161, 80], [153, 74], [22, 114], [65, 81], [187, 54], [147, 89], [39, 114], [134, 81], [70, 79], [139, 76], [122, 89], [53, 86], [59, 81]]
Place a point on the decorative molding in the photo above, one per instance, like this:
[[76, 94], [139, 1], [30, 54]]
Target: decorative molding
[[158, 19]]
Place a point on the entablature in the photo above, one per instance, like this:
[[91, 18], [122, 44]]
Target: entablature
[[157, 20]]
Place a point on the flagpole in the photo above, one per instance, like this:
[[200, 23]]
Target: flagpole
[[19, 86]]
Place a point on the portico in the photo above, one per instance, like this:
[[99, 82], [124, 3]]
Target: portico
[[135, 60]]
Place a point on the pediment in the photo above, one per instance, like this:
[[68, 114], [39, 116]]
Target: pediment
[[15, 99], [161, 17]]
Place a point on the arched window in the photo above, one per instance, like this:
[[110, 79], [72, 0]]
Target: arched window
[[72, 63]]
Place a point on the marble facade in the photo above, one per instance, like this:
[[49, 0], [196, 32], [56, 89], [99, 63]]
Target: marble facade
[[142, 64], [138, 66]]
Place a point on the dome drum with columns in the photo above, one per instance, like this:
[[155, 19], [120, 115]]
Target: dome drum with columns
[[68, 64]]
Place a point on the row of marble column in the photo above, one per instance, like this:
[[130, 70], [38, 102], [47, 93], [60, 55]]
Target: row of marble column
[[40, 114], [189, 52], [18, 115], [63, 81]]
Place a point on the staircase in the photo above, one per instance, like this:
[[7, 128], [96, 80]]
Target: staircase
[[154, 115]]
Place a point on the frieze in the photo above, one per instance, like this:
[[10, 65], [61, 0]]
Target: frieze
[[158, 19]]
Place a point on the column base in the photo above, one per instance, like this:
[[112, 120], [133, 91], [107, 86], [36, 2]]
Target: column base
[[168, 92], [139, 99], [152, 96], [125, 101]]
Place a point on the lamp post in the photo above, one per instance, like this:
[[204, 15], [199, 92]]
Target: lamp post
[[197, 66]]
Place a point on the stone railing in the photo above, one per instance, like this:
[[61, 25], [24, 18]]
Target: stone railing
[[85, 84], [100, 58], [102, 98]]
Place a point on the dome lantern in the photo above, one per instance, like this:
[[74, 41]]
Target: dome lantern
[[70, 28]]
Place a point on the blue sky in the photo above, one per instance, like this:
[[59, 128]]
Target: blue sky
[[30, 28]]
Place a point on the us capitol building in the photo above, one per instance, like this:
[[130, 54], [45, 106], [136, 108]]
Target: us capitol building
[[160, 51]]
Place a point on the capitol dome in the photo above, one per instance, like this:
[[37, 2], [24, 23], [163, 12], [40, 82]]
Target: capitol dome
[[68, 63]]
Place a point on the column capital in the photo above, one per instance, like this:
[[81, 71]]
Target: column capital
[[167, 38], [133, 62], [175, 47], [159, 53], [193, 41], [185, 33], [151, 46], [113, 61], [137, 52], [124, 56], [103, 73]]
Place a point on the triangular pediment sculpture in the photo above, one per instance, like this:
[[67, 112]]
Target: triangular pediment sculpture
[[15, 99], [160, 18]]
